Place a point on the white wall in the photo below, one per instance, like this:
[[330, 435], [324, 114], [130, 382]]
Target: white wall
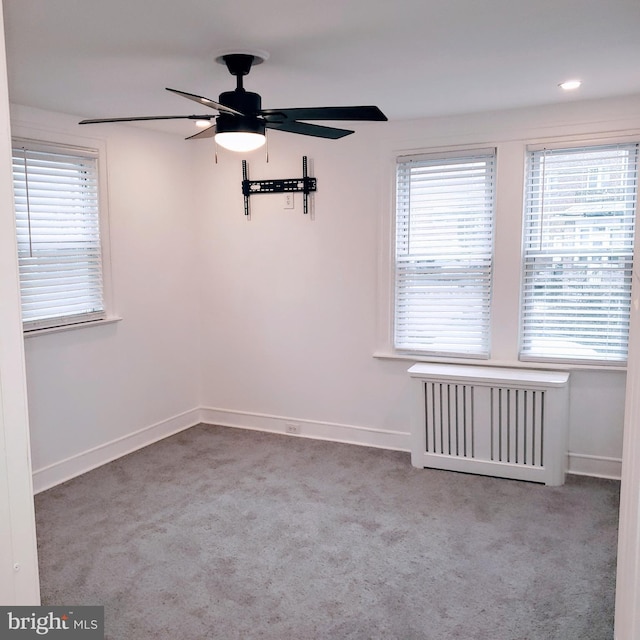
[[289, 301], [276, 320], [97, 392], [294, 309]]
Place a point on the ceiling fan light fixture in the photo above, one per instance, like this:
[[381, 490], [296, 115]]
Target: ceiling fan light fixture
[[202, 124], [238, 133], [240, 140]]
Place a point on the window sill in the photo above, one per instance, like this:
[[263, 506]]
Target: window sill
[[71, 327], [517, 364]]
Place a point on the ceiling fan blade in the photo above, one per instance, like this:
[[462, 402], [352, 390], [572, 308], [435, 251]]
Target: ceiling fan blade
[[206, 102], [136, 118], [309, 129], [209, 132], [325, 113]]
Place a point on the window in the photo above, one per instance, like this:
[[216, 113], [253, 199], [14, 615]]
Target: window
[[58, 232], [578, 250], [443, 253]]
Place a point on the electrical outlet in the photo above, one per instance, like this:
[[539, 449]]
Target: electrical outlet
[[292, 427], [288, 201]]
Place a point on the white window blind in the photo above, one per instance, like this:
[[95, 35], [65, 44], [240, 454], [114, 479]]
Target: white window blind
[[578, 250], [444, 249], [58, 232]]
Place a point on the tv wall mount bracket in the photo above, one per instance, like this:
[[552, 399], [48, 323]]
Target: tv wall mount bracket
[[305, 185]]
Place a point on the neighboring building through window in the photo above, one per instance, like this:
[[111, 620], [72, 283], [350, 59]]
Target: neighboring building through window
[[579, 217], [444, 253], [58, 232]]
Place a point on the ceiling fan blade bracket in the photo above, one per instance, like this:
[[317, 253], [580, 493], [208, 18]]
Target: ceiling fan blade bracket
[[273, 116], [207, 102], [209, 132]]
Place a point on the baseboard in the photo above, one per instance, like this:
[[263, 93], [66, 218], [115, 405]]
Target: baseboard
[[80, 463], [595, 466], [59, 472], [316, 430], [578, 464]]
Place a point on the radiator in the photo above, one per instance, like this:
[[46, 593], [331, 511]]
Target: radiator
[[509, 423]]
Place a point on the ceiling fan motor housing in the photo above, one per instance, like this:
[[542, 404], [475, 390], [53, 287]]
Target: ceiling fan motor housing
[[226, 123], [243, 101]]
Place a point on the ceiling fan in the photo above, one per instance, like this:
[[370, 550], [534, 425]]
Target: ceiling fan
[[241, 121]]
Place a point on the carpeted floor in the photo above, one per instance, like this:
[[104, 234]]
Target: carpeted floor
[[220, 533]]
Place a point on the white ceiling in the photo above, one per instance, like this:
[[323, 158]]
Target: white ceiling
[[412, 58]]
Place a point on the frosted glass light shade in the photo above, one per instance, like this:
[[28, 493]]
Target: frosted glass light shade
[[240, 140]]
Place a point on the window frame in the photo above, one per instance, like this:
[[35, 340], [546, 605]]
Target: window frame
[[561, 145], [511, 145], [63, 142], [466, 153]]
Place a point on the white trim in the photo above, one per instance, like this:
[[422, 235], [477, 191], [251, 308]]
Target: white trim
[[68, 327], [18, 548], [490, 376], [491, 362], [447, 154], [80, 463], [577, 142], [627, 612], [59, 472], [21, 130], [316, 430], [580, 464]]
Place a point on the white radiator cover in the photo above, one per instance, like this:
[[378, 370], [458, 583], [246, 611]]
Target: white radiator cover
[[510, 423]]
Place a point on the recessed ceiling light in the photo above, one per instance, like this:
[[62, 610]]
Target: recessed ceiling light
[[202, 123], [569, 85]]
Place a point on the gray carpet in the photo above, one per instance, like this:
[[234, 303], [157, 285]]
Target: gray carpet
[[224, 533]]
